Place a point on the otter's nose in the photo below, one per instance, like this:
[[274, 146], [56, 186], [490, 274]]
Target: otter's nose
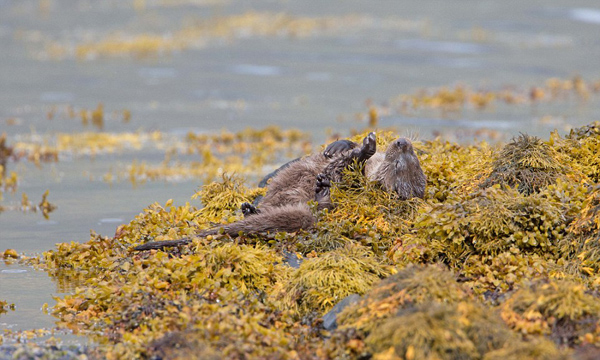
[[402, 143]]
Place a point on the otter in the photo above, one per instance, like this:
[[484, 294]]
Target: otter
[[285, 207]]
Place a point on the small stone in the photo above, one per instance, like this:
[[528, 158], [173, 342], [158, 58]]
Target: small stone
[[330, 319]]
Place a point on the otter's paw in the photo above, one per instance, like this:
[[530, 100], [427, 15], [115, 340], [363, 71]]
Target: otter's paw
[[323, 191], [249, 209], [369, 147], [323, 186], [338, 147], [323, 181]]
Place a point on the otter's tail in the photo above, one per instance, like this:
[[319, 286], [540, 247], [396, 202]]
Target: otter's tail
[[287, 218]]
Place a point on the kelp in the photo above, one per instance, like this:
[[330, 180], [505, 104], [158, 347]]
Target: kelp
[[537, 349], [439, 330], [364, 212], [451, 168], [488, 222], [206, 291], [493, 276], [222, 199], [581, 246]]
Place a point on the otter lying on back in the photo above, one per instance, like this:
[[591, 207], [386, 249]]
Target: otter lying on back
[[291, 187]]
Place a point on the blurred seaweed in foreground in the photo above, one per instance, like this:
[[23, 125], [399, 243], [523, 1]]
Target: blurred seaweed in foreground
[[500, 260]]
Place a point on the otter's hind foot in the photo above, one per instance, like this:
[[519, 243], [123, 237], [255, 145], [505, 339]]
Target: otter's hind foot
[[337, 147], [369, 147], [249, 209], [323, 191]]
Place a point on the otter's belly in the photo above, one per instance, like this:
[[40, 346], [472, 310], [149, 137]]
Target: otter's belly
[[295, 183]]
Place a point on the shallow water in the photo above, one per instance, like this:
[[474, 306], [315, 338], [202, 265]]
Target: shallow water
[[316, 83]]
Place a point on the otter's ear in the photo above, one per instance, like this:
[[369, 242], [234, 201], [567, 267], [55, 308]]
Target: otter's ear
[[338, 146]]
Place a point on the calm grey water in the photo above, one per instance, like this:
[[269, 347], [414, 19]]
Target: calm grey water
[[316, 83]]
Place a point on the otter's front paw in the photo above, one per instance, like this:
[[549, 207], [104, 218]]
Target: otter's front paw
[[323, 186], [249, 209]]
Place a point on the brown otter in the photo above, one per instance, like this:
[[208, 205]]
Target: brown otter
[[291, 187]]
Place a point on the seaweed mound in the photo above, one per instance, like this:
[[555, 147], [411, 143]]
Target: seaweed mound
[[527, 163], [422, 312], [499, 260], [323, 281], [559, 308]]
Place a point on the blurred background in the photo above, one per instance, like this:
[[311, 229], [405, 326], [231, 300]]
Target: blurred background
[[92, 91]]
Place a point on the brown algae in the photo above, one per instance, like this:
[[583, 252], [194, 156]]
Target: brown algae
[[487, 265]]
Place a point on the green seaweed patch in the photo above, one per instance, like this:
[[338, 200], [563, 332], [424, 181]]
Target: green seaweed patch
[[453, 169], [321, 282], [239, 299], [236, 329], [439, 331], [136, 302], [490, 221], [536, 349], [494, 220], [581, 246]]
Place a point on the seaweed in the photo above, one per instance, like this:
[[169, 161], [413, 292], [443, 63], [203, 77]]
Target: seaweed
[[364, 213], [415, 284], [320, 282], [4, 307], [528, 164], [563, 309], [487, 265], [423, 312], [439, 330]]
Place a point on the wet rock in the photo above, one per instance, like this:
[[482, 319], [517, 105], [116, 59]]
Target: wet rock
[[330, 319], [291, 259]]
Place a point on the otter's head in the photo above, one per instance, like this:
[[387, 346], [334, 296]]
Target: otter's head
[[402, 171], [399, 147]]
